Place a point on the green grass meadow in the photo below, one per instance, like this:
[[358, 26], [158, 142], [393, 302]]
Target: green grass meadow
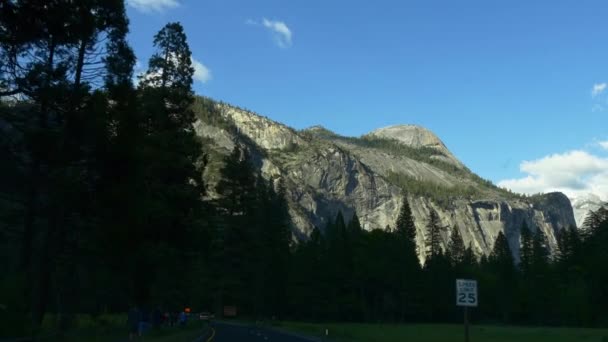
[[444, 333]]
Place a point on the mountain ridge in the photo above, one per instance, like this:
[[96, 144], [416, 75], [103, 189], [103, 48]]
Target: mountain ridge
[[325, 173], [584, 204]]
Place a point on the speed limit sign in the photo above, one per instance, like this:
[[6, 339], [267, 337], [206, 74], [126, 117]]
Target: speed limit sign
[[466, 292]]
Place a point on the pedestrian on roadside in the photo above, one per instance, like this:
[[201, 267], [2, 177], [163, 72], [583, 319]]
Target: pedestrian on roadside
[[173, 317], [165, 318], [156, 318], [144, 322], [133, 318], [182, 318]]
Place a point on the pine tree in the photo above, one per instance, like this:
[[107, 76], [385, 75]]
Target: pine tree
[[469, 260], [540, 252], [540, 279], [525, 267], [53, 55], [405, 221], [339, 227], [239, 251], [501, 252], [569, 248], [501, 264], [171, 185], [525, 249], [354, 226], [357, 248], [277, 248], [595, 263], [595, 219], [408, 265], [456, 250], [341, 256], [237, 183], [405, 226], [433, 237]]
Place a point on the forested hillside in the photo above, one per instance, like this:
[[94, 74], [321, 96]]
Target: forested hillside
[[325, 173], [115, 194]]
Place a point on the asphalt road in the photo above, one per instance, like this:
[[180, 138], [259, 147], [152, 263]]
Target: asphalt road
[[226, 332]]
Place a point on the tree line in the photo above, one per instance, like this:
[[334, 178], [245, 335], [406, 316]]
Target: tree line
[[102, 201], [101, 179], [103, 206], [345, 273]]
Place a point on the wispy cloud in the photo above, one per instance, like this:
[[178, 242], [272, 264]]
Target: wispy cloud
[[149, 6], [597, 89], [201, 72], [281, 33], [603, 144]]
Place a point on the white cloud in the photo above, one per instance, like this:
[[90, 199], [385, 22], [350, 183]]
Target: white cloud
[[603, 144], [281, 33], [201, 72], [148, 6], [575, 162], [574, 173], [597, 89]]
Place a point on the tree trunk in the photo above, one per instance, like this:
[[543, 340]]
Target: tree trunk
[[30, 214], [34, 186], [39, 289], [80, 63], [40, 296]]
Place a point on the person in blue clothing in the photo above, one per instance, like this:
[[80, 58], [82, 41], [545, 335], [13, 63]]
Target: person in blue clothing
[[182, 318], [133, 319], [144, 322], [156, 318]]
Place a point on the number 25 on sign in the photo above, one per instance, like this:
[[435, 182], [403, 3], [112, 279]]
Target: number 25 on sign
[[466, 296], [466, 292]]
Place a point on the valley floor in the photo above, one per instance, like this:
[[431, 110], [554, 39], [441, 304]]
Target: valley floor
[[343, 332]]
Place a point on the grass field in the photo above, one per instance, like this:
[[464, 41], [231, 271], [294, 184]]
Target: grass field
[[444, 333]]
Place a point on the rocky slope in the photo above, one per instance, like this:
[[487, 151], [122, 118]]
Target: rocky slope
[[324, 173], [583, 204], [417, 137]]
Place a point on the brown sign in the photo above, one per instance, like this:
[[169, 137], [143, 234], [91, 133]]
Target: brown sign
[[229, 311]]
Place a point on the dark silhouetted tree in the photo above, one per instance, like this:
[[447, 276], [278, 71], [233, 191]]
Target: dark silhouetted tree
[[433, 238], [456, 250]]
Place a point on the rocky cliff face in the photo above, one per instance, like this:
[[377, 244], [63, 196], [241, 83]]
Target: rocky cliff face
[[582, 205], [324, 173], [416, 137]]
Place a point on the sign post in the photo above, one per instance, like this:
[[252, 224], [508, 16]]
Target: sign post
[[466, 296]]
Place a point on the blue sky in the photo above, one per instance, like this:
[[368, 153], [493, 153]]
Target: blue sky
[[515, 89]]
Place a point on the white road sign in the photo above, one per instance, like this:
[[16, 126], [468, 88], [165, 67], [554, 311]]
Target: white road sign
[[466, 292]]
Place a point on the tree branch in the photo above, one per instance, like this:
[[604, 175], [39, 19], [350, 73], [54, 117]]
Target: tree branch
[[10, 92]]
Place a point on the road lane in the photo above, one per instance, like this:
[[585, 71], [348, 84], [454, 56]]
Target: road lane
[[227, 332]]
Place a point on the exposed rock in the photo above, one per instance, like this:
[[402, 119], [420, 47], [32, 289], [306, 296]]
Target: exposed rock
[[416, 136], [582, 205], [265, 132], [324, 173]]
